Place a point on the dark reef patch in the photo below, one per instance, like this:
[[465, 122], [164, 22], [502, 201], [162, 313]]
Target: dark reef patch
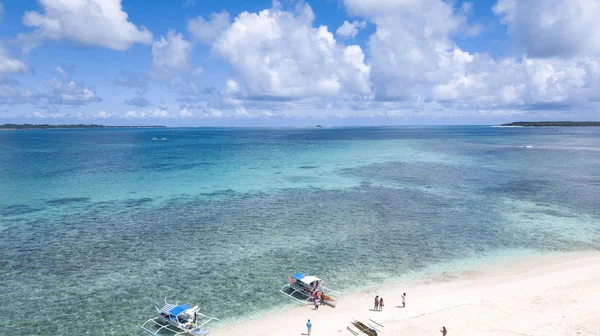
[[137, 202], [18, 209], [67, 200]]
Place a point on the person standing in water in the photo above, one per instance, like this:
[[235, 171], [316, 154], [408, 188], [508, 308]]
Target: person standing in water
[[308, 326], [403, 300], [376, 303], [444, 331]]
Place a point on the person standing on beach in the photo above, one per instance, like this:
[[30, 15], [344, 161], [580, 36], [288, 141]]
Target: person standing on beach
[[381, 304], [444, 331], [403, 300], [316, 300], [376, 303], [308, 326]]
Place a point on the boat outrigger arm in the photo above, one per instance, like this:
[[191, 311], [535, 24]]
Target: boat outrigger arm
[[300, 288], [178, 319]]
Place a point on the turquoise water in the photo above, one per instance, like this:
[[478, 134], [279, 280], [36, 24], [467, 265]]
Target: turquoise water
[[96, 225]]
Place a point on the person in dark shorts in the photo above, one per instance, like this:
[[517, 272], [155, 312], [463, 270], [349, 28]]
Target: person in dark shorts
[[376, 303]]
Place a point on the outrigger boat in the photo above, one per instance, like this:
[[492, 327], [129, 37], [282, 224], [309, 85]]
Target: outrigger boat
[[301, 287], [177, 319]]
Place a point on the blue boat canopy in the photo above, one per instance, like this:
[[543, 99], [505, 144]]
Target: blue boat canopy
[[299, 276], [179, 309]]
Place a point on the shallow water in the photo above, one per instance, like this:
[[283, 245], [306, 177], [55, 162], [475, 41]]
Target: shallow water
[[96, 225]]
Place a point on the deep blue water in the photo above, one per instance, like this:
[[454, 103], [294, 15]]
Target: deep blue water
[[100, 224]]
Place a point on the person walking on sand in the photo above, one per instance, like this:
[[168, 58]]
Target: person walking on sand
[[444, 331], [376, 303], [403, 300], [308, 326], [381, 304], [316, 300]]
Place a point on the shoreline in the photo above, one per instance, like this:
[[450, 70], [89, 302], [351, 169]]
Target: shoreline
[[522, 295]]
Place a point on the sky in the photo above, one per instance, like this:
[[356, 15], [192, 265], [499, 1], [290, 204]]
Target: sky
[[298, 63]]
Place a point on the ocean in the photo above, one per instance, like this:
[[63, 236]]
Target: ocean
[[98, 225]]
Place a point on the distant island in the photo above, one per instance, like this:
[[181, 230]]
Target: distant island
[[553, 123], [77, 126]]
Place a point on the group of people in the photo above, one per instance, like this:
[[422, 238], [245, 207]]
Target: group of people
[[378, 304], [316, 295], [317, 298]]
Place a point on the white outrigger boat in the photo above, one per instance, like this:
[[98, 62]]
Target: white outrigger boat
[[178, 319], [301, 287]]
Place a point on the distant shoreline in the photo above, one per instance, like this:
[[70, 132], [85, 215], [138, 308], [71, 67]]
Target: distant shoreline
[[552, 123], [77, 126]]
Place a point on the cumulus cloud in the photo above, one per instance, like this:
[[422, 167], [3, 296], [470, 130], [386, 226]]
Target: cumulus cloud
[[207, 31], [137, 101], [101, 23], [280, 55], [213, 113], [9, 64], [547, 28], [350, 30], [185, 113], [197, 71], [152, 113], [103, 115], [44, 115], [65, 91], [417, 66], [10, 94], [408, 56], [131, 80], [61, 91], [171, 55]]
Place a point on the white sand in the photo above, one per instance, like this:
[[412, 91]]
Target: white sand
[[550, 295]]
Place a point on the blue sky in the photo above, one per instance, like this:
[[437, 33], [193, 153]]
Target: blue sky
[[333, 62]]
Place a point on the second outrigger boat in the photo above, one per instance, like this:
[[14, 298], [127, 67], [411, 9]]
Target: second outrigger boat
[[177, 319], [301, 286]]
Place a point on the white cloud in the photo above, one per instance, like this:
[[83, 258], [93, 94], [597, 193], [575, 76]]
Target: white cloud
[[9, 64], [207, 31], [197, 71], [171, 55], [241, 112], [43, 115], [279, 55], [138, 101], [65, 91], [100, 23], [213, 113], [408, 56], [60, 91], [547, 28], [185, 113], [153, 113], [132, 80], [416, 66], [103, 115], [350, 30]]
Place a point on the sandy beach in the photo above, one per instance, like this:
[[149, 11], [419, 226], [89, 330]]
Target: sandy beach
[[555, 294]]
